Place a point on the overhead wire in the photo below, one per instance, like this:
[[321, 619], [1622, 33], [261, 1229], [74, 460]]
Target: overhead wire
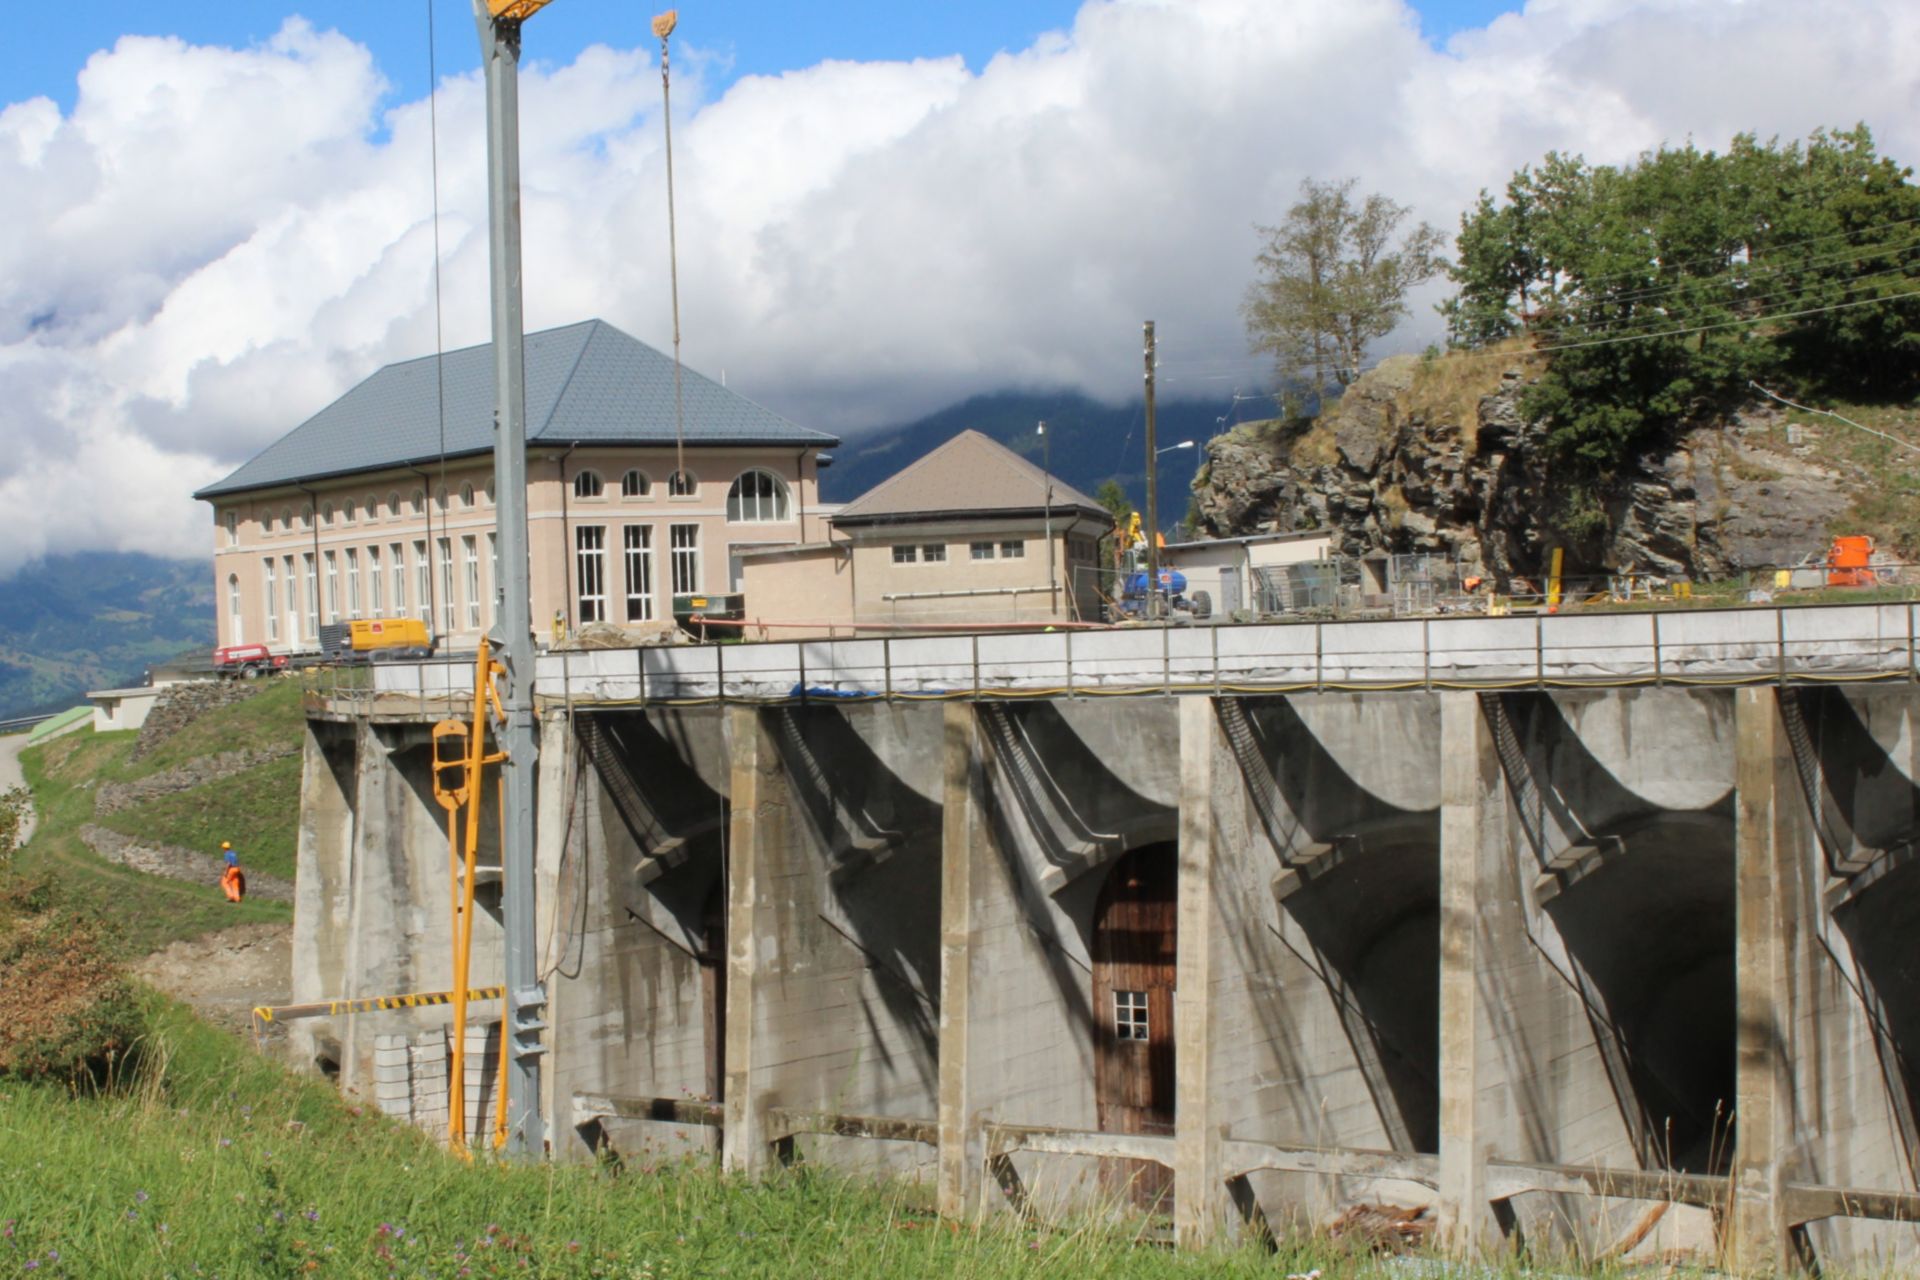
[[439, 329], [663, 28]]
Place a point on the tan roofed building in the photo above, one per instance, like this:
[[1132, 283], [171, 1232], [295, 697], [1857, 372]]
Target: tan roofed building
[[971, 534]]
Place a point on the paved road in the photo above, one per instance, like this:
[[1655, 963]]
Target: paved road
[[10, 775]]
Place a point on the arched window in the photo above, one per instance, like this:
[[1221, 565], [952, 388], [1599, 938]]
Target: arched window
[[306, 516], [373, 506], [588, 485], [634, 484], [489, 492], [440, 498], [757, 496], [682, 484], [393, 505], [326, 514], [466, 494], [419, 501], [286, 519], [346, 512]]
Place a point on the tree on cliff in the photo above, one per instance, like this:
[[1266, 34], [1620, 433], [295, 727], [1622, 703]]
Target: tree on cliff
[[1332, 279], [1661, 287]]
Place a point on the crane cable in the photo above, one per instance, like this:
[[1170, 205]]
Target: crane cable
[[663, 27]]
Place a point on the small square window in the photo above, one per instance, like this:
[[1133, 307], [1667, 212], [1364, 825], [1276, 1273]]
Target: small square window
[[934, 552], [1130, 1015], [1012, 550], [905, 555], [982, 550]]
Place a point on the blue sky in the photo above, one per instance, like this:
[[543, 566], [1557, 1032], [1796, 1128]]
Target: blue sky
[[48, 43]]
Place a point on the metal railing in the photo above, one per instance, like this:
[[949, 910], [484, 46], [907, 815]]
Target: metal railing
[[1704, 647]]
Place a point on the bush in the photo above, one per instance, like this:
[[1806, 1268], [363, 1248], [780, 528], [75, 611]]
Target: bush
[[67, 1011]]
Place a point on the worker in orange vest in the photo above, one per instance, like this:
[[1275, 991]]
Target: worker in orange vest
[[233, 881]]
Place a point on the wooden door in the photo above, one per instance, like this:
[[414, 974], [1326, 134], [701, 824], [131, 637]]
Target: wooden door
[[713, 988], [1133, 982]]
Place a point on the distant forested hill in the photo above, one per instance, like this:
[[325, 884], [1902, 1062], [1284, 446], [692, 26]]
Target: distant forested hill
[[96, 619], [1091, 442]]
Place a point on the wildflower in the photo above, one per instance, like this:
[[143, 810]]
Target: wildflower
[[226, 1142], [313, 1215], [139, 1197]]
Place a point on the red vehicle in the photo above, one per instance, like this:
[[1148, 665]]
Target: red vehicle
[[246, 662]]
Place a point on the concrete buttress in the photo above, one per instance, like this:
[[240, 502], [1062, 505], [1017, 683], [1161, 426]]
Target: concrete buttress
[[1200, 1200], [967, 861], [1471, 815], [759, 793], [1768, 836]]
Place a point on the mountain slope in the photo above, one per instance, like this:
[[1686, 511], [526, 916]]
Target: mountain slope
[[1091, 442], [95, 619]]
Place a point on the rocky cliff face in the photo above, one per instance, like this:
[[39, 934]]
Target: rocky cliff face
[[1437, 457]]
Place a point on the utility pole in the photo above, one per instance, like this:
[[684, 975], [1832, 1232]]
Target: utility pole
[[1153, 496], [1046, 470], [499, 25]]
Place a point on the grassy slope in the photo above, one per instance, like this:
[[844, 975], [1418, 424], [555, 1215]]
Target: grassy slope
[[218, 1163], [257, 810]]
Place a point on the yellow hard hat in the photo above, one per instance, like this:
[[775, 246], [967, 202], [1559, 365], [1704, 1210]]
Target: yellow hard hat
[[225, 845]]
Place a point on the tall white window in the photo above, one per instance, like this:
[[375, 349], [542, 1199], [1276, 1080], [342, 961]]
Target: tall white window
[[470, 563], [684, 543], [272, 595], [638, 546], [233, 528], [757, 497], [236, 633], [681, 484], [493, 576], [333, 587], [292, 595], [422, 583], [353, 582], [376, 589], [443, 547], [590, 569], [397, 560], [313, 599]]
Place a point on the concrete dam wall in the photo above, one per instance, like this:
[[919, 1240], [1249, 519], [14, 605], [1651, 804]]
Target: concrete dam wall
[[1544, 960]]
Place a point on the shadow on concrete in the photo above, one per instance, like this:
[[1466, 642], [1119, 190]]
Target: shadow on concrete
[[1361, 881], [1643, 900], [882, 842]]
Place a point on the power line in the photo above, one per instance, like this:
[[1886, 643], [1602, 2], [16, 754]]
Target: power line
[[1904, 444]]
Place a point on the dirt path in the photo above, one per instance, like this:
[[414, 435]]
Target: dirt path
[[224, 975], [10, 775]]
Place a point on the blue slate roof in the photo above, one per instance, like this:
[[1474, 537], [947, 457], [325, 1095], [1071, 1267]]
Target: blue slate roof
[[587, 383]]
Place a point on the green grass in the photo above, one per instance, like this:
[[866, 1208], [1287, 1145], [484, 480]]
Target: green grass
[[257, 810], [267, 719], [211, 1161]]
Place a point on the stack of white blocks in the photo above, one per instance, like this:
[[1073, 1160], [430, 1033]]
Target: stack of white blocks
[[410, 1077]]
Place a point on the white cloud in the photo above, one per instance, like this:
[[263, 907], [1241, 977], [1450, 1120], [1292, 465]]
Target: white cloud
[[215, 242]]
